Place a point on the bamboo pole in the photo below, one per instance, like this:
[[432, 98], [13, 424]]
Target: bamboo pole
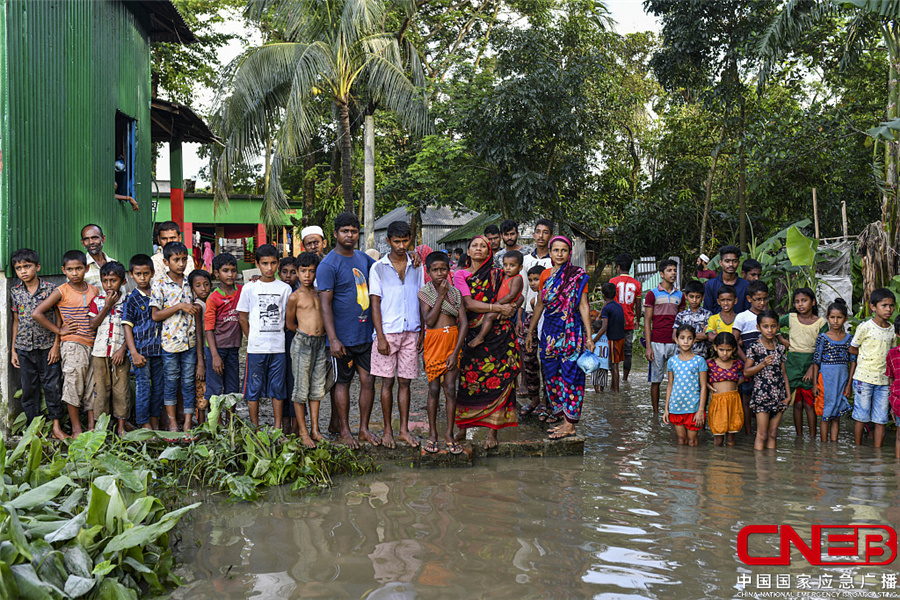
[[816, 213], [844, 219]]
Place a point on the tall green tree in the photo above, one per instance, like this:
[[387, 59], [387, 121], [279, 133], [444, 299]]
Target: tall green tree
[[863, 21], [708, 51], [179, 71], [331, 49]]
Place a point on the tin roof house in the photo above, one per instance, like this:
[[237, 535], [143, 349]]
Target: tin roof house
[[75, 99]]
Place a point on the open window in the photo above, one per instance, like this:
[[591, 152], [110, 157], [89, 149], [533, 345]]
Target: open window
[[124, 154]]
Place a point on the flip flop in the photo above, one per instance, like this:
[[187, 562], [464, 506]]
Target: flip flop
[[562, 437], [524, 411], [551, 420], [454, 448], [430, 446]]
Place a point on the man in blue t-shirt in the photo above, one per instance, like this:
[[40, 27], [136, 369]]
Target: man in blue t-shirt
[[343, 282], [729, 260]]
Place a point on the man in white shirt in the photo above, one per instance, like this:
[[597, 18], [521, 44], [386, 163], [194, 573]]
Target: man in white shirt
[[166, 232], [92, 239], [394, 284], [543, 231]]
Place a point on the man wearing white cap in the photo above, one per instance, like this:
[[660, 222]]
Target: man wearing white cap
[[702, 271], [313, 239]]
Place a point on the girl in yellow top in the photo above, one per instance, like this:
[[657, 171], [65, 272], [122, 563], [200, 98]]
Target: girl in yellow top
[[804, 325], [723, 321]]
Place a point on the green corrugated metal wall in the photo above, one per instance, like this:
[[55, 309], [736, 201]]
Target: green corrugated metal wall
[[65, 68]]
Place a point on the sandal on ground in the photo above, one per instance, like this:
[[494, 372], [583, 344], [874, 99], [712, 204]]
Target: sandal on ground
[[430, 446], [454, 448], [552, 420], [543, 414], [524, 411]]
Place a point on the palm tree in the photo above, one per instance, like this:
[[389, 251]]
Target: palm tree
[[328, 49]]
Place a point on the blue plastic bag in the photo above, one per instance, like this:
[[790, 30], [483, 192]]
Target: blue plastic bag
[[588, 362]]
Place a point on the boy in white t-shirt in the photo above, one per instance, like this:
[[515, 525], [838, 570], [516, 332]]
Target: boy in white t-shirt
[[261, 311]]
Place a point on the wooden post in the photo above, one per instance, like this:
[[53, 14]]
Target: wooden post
[[844, 219], [816, 213]]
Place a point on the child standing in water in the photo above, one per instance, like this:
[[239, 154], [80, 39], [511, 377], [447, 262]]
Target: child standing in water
[[771, 390], [726, 415], [805, 326], [833, 368], [686, 392]]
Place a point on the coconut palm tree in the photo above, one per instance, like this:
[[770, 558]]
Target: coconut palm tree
[[270, 96]]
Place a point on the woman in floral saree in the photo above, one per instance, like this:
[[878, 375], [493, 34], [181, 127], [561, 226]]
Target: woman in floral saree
[[488, 372], [565, 334]]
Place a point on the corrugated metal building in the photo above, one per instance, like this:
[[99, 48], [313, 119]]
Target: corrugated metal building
[[437, 221], [74, 97]]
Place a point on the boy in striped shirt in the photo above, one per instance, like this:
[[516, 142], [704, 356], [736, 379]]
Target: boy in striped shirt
[[73, 299]]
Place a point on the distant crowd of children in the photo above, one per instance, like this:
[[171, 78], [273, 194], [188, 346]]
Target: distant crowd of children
[[312, 322], [722, 353]]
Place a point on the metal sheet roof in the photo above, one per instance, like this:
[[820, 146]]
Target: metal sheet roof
[[170, 120], [434, 216], [166, 23]]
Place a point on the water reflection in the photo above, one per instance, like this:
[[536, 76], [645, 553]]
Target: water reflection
[[636, 517]]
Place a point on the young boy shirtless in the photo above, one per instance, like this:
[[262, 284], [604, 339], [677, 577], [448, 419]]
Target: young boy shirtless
[[445, 329], [510, 292], [309, 352]]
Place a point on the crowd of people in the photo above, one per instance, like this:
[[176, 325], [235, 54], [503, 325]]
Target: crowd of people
[[493, 319]]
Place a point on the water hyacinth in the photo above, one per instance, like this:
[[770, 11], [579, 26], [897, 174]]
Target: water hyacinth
[[80, 520]]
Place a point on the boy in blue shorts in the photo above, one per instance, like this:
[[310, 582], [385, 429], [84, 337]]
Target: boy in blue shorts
[[223, 330], [871, 388], [172, 304], [261, 310]]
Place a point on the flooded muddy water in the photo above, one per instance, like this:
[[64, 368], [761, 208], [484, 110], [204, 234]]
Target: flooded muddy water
[[636, 517]]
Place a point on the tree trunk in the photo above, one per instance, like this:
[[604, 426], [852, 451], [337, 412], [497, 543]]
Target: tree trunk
[[635, 163], [267, 173], [369, 185], [346, 156], [742, 186], [309, 185], [709, 182]]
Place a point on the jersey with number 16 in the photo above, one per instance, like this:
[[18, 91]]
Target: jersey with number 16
[[628, 295]]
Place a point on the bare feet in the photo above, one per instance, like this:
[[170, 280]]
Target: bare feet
[[476, 342], [307, 441], [491, 440], [315, 435], [387, 440], [563, 431], [59, 434], [349, 441], [367, 436], [460, 435], [409, 439]]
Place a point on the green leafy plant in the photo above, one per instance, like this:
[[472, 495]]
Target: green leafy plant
[[70, 530], [81, 520]]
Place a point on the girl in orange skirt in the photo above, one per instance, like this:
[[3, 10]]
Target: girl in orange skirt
[[725, 416]]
